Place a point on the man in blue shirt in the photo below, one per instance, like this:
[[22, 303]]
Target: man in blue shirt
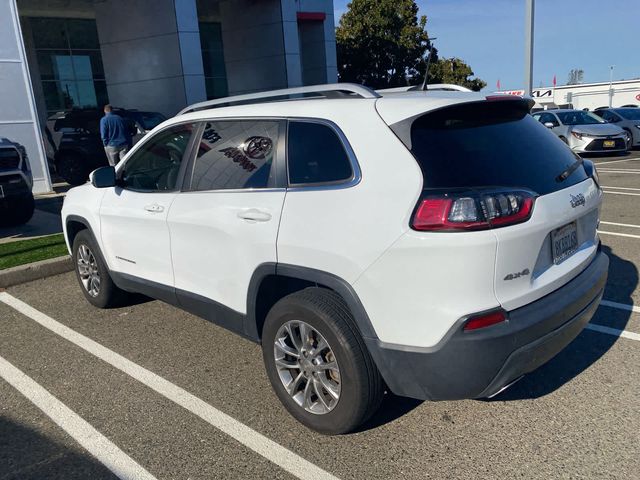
[[116, 137]]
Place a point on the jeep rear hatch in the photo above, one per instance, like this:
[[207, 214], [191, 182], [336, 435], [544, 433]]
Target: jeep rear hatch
[[488, 165]]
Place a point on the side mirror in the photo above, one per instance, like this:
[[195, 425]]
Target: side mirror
[[103, 177], [549, 124]]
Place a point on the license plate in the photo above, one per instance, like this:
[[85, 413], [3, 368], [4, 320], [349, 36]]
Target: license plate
[[609, 143], [564, 242]]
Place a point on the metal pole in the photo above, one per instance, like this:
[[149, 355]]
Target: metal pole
[[611, 67], [528, 46]]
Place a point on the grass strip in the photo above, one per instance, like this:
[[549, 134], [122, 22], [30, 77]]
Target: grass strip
[[22, 252]]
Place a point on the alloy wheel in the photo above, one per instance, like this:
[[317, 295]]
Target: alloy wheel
[[307, 367], [88, 270]]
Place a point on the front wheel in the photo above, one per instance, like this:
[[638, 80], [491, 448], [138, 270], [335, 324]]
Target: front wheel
[[92, 273], [317, 363]]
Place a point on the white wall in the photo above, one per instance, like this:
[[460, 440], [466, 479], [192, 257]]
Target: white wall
[[18, 117]]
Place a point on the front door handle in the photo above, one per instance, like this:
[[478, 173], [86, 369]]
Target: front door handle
[[154, 207], [254, 215]]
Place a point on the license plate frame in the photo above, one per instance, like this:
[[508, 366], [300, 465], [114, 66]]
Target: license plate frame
[[609, 143], [564, 242]]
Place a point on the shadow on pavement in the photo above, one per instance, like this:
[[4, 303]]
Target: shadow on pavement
[[589, 346], [26, 454]]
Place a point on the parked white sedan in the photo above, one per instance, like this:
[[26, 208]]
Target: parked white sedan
[[583, 131]]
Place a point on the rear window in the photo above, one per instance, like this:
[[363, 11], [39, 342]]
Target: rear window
[[484, 144]]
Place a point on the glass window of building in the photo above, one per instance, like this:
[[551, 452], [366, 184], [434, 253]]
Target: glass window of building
[[70, 63], [215, 74]]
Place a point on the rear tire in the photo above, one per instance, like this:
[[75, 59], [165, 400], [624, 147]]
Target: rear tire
[[354, 378], [92, 273], [72, 168]]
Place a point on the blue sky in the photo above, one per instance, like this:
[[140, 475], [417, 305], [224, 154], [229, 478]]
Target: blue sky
[[489, 35]]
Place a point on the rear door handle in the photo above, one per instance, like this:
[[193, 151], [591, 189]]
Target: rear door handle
[[154, 207], [254, 215]]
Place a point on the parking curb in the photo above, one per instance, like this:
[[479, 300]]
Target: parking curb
[[35, 271]]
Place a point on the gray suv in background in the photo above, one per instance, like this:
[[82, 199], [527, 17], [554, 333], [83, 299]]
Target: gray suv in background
[[583, 131], [16, 182], [626, 118]]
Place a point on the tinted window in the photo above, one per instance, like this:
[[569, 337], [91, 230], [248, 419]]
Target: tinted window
[[236, 154], [629, 113], [489, 144], [155, 165], [316, 155], [578, 117]]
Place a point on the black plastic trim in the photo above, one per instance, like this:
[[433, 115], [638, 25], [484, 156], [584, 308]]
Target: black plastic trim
[[131, 283], [479, 363], [212, 311], [319, 277]]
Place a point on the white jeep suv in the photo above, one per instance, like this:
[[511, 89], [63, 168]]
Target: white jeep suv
[[436, 244]]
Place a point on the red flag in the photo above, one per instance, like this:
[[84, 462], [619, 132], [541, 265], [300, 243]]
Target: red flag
[[498, 84], [554, 80]]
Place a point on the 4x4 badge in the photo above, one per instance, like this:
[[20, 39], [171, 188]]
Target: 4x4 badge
[[513, 276], [577, 200]]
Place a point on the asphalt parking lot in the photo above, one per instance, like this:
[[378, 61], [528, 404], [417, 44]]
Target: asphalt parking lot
[[148, 391]]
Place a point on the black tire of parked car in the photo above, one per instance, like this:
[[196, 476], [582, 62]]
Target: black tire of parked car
[[109, 294], [362, 387], [18, 211], [630, 144], [72, 168]]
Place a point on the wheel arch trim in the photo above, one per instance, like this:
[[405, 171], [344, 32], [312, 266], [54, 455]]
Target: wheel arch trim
[[320, 278]]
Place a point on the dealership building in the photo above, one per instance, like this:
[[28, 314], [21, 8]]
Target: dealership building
[[586, 95], [150, 55]]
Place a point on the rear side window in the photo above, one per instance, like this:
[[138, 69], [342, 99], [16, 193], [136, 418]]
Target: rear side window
[[316, 155], [489, 144], [236, 154]]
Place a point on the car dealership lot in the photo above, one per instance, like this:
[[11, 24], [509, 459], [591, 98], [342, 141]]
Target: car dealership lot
[[576, 417]]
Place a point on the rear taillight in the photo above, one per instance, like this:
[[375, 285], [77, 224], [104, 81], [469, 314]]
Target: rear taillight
[[485, 320], [476, 210]]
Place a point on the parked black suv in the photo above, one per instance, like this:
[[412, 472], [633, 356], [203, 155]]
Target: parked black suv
[[16, 181], [74, 142]]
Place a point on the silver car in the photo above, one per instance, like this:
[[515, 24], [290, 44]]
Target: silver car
[[583, 131], [626, 118]]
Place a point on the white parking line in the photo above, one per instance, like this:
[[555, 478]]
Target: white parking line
[[620, 306], [623, 193], [622, 188], [105, 451], [634, 172], [616, 161], [615, 234], [620, 224], [613, 331], [272, 451]]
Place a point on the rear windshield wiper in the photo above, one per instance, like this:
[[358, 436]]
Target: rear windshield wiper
[[572, 168]]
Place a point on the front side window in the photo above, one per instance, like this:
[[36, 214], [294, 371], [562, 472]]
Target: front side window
[[315, 155], [236, 154], [154, 167]]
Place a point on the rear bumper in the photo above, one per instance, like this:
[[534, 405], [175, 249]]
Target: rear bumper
[[481, 363]]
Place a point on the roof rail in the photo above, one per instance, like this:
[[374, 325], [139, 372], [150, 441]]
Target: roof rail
[[330, 90], [430, 86]]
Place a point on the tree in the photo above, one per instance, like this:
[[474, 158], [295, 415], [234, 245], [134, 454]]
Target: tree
[[383, 43], [575, 76], [454, 70]]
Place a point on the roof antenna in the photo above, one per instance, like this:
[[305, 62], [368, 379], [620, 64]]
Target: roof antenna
[[426, 72]]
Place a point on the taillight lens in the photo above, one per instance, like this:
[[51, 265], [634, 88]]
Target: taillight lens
[[485, 320], [475, 210]]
